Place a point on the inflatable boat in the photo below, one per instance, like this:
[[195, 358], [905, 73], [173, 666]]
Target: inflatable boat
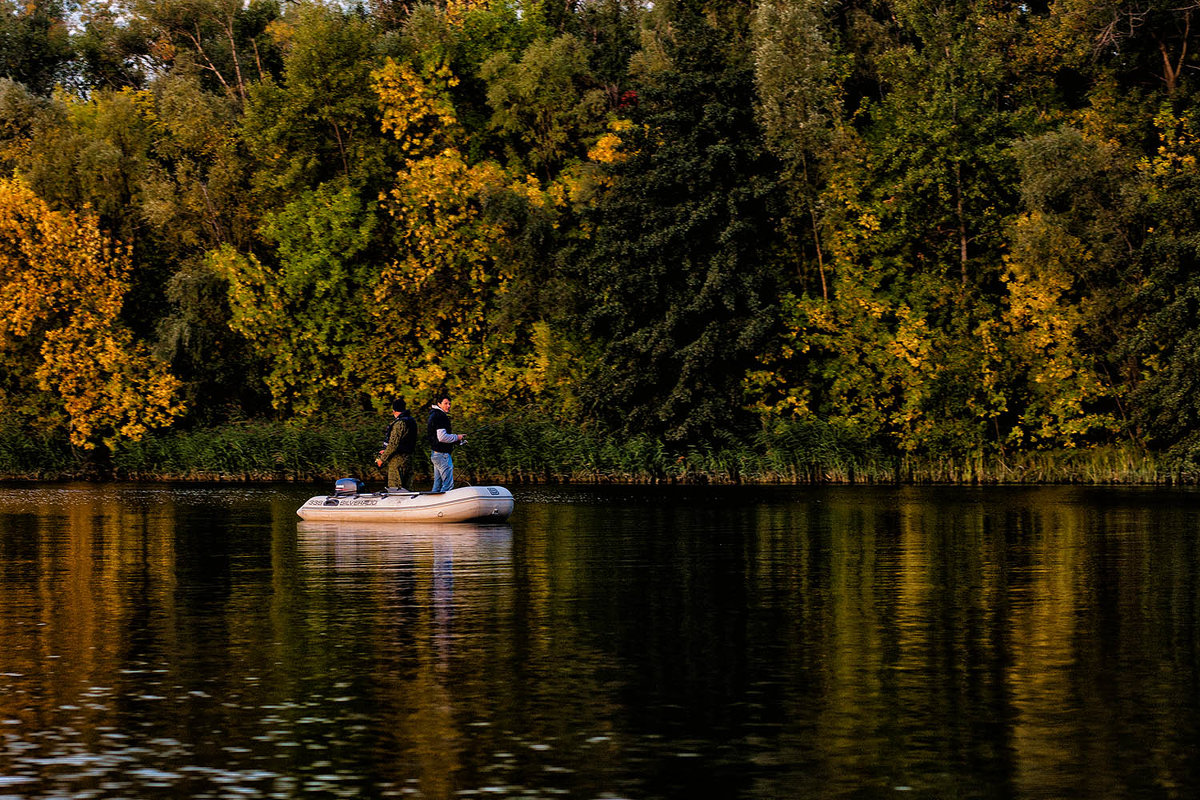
[[466, 504]]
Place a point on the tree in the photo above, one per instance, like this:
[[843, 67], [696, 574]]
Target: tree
[[226, 39], [92, 151], [798, 74], [35, 46], [1064, 292], [447, 305], [900, 144], [161, 168], [543, 104], [114, 50], [939, 137], [19, 112], [96, 152], [320, 119], [1164, 347], [1147, 42], [303, 306], [62, 287], [675, 281]]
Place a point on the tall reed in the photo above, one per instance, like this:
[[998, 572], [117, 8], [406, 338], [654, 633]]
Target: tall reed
[[250, 451], [520, 450], [32, 453]]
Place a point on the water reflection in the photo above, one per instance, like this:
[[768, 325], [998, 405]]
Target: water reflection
[[160, 642], [343, 545], [419, 589]]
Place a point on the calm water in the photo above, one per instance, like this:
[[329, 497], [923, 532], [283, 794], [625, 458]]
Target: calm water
[[607, 643]]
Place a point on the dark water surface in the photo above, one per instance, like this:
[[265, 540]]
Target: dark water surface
[[607, 643]]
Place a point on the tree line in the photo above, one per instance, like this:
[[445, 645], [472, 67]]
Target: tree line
[[948, 228]]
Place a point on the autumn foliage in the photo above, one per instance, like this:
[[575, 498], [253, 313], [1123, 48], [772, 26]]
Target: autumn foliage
[[946, 232], [63, 283]]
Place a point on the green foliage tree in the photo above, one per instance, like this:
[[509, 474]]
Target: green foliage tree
[[113, 50], [91, 151], [915, 189], [940, 135], [35, 47], [673, 282], [303, 307], [1151, 45], [1164, 347], [798, 75], [1066, 305], [227, 40], [543, 104], [19, 114], [320, 119], [192, 199]]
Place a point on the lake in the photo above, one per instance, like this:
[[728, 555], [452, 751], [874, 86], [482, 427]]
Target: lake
[[608, 642]]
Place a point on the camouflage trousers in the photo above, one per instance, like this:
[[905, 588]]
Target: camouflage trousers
[[399, 470]]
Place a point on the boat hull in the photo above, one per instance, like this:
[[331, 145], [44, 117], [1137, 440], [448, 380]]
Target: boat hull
[[467, 504]]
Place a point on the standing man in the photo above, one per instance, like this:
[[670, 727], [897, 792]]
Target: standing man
[[399, 442], [442, 441]]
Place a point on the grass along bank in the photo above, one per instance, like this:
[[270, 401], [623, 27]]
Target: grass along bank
[[520, 451]]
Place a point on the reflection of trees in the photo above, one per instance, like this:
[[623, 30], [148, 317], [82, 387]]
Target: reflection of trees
[[954, 642], [1103, 637], [993, 643], [1004, 644], [88, 566], [476, 672], [532, 682]]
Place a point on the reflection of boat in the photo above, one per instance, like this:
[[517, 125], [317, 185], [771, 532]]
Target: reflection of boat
[[355, 544], [467, 504], [421, 531]]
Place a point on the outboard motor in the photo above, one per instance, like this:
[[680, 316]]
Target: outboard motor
[[344, 487]]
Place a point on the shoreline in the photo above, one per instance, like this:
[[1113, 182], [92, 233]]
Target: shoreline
[[693, 480], [513, 452]]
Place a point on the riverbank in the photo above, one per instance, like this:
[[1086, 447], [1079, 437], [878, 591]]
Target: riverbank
[[513, 452]]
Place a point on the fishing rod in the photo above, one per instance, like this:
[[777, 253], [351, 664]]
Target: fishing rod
[[489, 426]]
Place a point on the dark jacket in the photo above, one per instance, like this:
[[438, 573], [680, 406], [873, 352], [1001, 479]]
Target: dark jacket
[[438, 419], [401, 436]]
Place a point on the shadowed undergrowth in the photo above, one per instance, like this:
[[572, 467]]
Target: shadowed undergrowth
[[517, 452]]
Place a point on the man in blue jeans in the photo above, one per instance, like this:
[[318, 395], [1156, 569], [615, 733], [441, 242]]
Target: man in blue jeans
[[442, 441]]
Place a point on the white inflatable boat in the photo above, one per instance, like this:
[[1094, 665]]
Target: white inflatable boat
[[466, 504]]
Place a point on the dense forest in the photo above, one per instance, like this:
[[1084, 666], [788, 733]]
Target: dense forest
[[946, 229]]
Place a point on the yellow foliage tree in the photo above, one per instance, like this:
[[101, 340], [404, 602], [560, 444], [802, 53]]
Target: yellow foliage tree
[[434, 305], [417, 109], [1046, 327], [441, 308], [457, 10], [62, 284], [879, 361], [583, 182]]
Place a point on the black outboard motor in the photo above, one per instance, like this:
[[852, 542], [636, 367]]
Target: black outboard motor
[[345, 487]]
